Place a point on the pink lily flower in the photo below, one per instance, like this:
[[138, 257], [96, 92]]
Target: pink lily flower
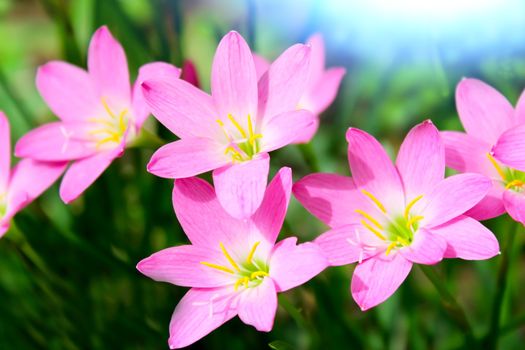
[[27, 180], [231, 131], [100, 113], [389, 217], [321, 87], [492, 145], [233, 266]]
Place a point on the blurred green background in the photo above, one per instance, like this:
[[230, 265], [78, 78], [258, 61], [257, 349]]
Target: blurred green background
[[67, 276]]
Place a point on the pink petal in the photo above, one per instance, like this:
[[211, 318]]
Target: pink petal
[[233, 78], [187, 157], [452, 197], [68, 91], [258, 305], [317, 58], [189, 73], [324, 91], [201, 216], [181, 107], [372, 169], [376, 279], [4, 227], [466, 153], [182, 266], [332, 198], [59, 141], [421, 160], [261, 65], [240, 187], [491, 205], [83, 173], [510, 148], [5, 152], [108, 66], [292, 265], [198, 313], [281, 87], [308, 134], [427, 248], [483, 111], [154, 70], [347, 244], [283, 129], [270, 216], [467, 239], [515, 205], [520, 109]]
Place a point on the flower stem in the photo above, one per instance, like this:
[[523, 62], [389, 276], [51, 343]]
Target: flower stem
[[453, 308], [310, 157], [490, 341]]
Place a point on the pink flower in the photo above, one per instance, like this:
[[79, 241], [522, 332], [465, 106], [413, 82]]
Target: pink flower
[[27, 180], [389, 217], [321, 87], [231, 131], [490, 146], [233, 266], [99, 112]]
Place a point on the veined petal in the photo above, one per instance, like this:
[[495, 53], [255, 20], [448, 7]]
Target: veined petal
[[108, 67], [376, 279], [183, 266], [240, 187], [372, 170], [452, 197], [5, 152], [258, 305], [427, 248], [515, 205], [292, 265], [466, 153], [233, 78], [490, 206], [288, 127], [467, 239], [281, 87], [83, 173], [261, 65], [68, 91], [317, 59], [58, 141], [323, 91], [155, 71], [187, 157], [421, 160], [270, 216], [198, 313], [510, 148], [483, 111]]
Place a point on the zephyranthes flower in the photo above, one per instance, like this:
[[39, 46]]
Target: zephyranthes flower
[[321, 87], [27, 180], [100, 113], [231, 131], [492, 146], [389, 217], [233, 266]]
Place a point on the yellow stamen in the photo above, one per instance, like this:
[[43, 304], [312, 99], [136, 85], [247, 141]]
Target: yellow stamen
[[101, 121], [370, 218], [373, 230], [108, 110], [250, 256], [390, 247], [232, 262], [122, 121], [218, 267], [250, 130], [240, 281], [375, 200], [411, 204], [106, 140], [402, 241], [497, 166], [413, 220], [258, 274], [514, 183], [237, 125]]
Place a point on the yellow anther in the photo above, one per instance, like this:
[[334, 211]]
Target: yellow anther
[[413, 220], [218, 267], [258, 274], [252, 252], [370, 218], [373, 230], [221, 124], [411, 204], [237, 125], [108, 110], [390, 247], [375, 200], [240, 281], [111, 138], [232, 262], [514, 183], [497, 166], [402, 241], [122, 120]]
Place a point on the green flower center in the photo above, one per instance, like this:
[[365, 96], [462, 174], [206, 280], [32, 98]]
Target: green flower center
[[243, 145], [512, 179]]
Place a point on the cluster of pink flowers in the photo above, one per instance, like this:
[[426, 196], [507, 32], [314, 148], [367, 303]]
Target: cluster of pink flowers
[[385, 218]]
